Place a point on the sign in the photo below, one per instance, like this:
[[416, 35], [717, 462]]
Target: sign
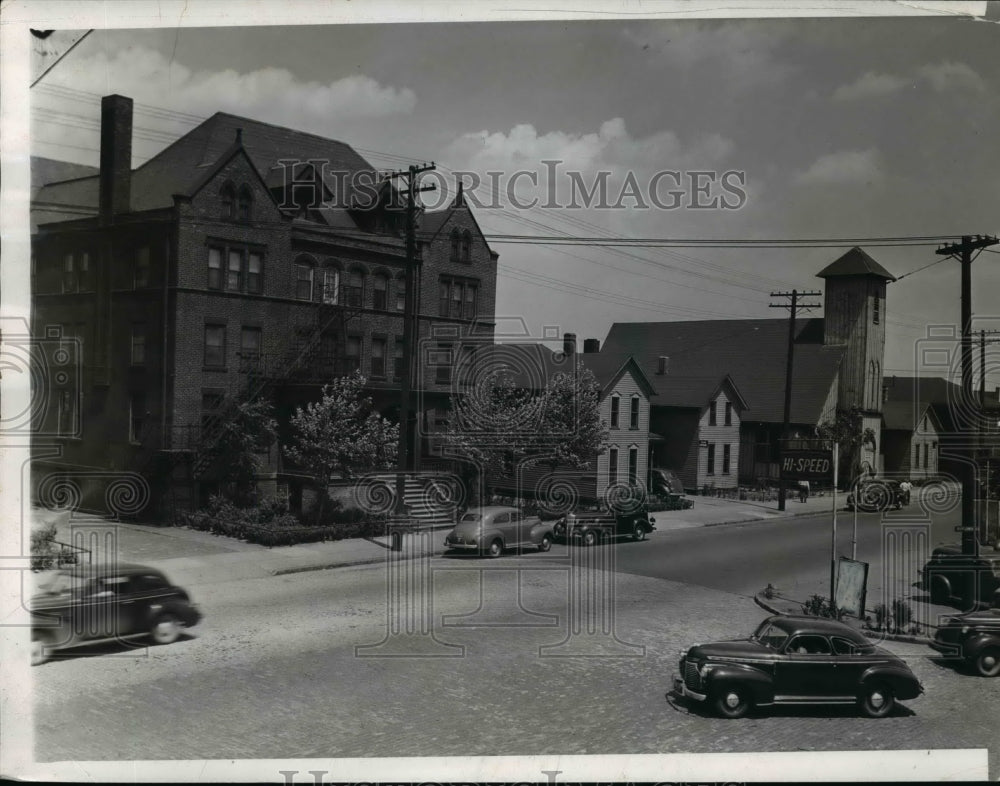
[[964, 529], [807, 464], [852, 586], [702, 443]]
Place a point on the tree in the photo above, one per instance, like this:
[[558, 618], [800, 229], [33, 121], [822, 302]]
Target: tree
[[341, 435], [244, 436], [848, 431], [501, 426]]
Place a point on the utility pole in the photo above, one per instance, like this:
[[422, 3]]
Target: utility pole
[[963, 252], [793, 306], [408, 448]]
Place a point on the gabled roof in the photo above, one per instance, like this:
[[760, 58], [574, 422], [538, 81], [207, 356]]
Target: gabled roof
[[178, 167], [906, 414], [752, 352], [943, 396], [855, 263], [608, 369]]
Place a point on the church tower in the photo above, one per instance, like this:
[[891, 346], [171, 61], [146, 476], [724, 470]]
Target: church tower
[[854, 317]]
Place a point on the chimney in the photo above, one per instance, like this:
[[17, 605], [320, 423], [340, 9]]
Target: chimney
[[569, 344], [663, 363], [591, 346], [116, 157]]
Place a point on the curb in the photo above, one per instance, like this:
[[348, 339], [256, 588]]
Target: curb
[[330, 565], [758, 520], [871, 634]]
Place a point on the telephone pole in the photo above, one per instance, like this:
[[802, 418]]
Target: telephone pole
[[793, 307], [407, 454], [963, 252]]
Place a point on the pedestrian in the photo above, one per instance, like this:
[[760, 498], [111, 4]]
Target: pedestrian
[[904, 489], [803, 490]]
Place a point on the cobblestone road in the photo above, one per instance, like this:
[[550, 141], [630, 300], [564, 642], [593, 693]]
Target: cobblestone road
[[273, 672]]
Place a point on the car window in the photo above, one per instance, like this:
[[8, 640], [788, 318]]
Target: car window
[[809, 645], [147, 583], [501, 518], [845, 647], [110, 585], [770, 636], [471, 517]]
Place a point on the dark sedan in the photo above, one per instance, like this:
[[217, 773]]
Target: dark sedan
[[88, 604], [795, 660], [973, 637]]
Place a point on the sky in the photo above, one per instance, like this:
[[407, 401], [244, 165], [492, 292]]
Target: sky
[[836, 128]]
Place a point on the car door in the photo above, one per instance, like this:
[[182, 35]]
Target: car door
[[95, 610], [849, 663], [805, 672], [501, 524]]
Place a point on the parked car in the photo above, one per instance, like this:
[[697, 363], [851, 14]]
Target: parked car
[[953, 577], [665, 482], [795, 660], [491, 530], [588, 527], [87, 604], [878, 496], [974, 637]]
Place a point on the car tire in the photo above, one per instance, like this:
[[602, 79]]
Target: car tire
[[589, 538], [639, 532], [545, 544], [166, 629], [495, 549], [732, 701], [38, 651], [987, 662], [877, 700]]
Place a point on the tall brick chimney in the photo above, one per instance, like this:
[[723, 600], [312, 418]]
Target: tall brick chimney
[[569, 344], [116, 157]]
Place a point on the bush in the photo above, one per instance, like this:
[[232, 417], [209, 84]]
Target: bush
[[46, 554], [671, 502], [818, 606], [271, 523]]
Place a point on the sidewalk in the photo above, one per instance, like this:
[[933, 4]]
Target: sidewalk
[[191, 557]]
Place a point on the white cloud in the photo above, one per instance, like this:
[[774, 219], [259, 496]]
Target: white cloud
[[950, 75], [870, 85], [941, 77], [272, 95], [847, 167]]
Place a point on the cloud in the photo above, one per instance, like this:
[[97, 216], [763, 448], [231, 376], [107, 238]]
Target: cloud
[[952, 76], [273, 95], [870, 85], [941, 77], [847, 167]]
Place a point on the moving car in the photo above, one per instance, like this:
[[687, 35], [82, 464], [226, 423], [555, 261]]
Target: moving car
[[974, 637], [665, 482], [878, 496], [87, 604], [588, 527], [953, 577], [795, 660], [493, 529]]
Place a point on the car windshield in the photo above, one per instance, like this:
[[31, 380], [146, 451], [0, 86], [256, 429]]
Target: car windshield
[[770, 636], [472, 517]]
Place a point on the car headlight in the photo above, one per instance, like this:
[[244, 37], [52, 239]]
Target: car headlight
[[704, 670], [965, 629], [682, 653]]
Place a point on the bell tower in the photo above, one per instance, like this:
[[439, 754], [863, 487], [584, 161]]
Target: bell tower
[[854, 317]]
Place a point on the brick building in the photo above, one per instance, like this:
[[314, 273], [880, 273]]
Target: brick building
[[243, 259]]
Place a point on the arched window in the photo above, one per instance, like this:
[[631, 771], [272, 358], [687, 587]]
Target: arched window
[[355, 288], [244, 206], [331, 284], [401, 292], [633, 413], [616, 404], [303, 270], [380, 292], [228, 201], [612, 465], [466, 246], [456, 243]]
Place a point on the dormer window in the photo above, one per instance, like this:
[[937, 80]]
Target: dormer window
[[228, 202], [456, 245]]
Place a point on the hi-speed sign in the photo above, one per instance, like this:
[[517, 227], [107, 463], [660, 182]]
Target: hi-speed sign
[[807, 464]]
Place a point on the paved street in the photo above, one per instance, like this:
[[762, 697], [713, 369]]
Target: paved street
[[272, 672]]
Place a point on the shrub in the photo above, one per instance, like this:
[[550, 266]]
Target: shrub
[[46, 554], [818, 606], [271, 524]]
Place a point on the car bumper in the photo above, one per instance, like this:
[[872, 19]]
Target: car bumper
[[946, 647], [461, 546], [683, 690]]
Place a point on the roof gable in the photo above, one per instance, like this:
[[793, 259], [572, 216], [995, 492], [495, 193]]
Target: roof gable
[[751, 352], [608, 370]]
